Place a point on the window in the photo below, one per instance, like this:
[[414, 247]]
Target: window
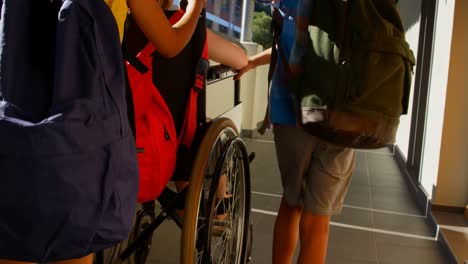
[[225, 16]]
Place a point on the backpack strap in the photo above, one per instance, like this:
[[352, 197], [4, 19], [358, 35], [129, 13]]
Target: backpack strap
[[189, 125], [148, 50], [190, 122], [278, 51], [135, 60], [276, 27]]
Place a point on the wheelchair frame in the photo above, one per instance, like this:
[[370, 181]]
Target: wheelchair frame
[[196, 238]]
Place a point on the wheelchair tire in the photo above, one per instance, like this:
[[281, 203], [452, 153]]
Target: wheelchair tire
[[206, 238]]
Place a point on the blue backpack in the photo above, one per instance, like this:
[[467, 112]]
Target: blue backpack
[[68, 170]]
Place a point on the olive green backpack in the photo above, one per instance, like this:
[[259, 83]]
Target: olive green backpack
[[356, 77]]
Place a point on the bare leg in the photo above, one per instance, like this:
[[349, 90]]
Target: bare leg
[[13, 262], [221, 193], [314, 230], [85, 260], [181, 185], [286, 233]]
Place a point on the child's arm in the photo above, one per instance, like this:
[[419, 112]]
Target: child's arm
[[261, 58], [225, 52], [170, 40]]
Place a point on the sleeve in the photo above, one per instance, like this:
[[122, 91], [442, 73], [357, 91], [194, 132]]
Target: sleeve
[[303, 13]]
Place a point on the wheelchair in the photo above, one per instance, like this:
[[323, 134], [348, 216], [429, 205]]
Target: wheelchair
[[215, 226]]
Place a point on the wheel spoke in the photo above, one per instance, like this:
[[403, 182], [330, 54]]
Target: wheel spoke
[[220, 224]]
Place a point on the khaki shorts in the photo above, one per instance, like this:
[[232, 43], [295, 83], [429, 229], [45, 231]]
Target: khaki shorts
[[315, 174]]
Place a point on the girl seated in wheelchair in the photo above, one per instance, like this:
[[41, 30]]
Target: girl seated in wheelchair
[[167, 84], [172, 79], [224, 52]]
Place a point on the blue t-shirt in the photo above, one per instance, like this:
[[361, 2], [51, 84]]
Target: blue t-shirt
[[281, 103]]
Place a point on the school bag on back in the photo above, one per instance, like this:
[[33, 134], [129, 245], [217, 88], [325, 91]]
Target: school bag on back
[[164, 124], [68, 170], [356, 74]]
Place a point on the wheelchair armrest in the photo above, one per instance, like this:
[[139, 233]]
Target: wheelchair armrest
[[219, 72]]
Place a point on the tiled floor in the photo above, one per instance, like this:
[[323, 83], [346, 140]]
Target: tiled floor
[[380, 222]]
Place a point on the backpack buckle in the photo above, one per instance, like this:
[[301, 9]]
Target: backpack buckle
[[200, 74]]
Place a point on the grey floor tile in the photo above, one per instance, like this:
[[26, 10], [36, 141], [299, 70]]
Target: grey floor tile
[[264, 150], [408, 224], [361, 162], [338, 259], [264, 202], [384, 150], [360, 178], [403, 250], [395, 200], [166, 244], [353, 245], [265, 176], [262, 240], [264, 168], [382, 163], [358, 196], [255, 219], [266, 184], [353, 216], [388, 179], [267, 136]]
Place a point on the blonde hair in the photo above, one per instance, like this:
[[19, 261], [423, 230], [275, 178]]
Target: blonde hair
[[165, 4]]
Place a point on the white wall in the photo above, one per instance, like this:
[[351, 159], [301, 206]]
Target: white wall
[[254, 95], [438, 87]]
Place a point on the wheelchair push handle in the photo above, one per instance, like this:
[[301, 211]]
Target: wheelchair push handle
[[219, 72]]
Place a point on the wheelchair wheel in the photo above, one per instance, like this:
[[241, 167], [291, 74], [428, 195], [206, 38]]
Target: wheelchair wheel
[[144, 217], [217, 206]]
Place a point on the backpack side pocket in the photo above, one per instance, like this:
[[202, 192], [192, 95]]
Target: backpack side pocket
[[379, 83]]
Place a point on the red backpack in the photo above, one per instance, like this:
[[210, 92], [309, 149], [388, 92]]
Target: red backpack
[[156, 136]]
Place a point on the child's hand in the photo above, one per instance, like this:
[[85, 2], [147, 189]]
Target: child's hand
[[261, 58], [250, 65]]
